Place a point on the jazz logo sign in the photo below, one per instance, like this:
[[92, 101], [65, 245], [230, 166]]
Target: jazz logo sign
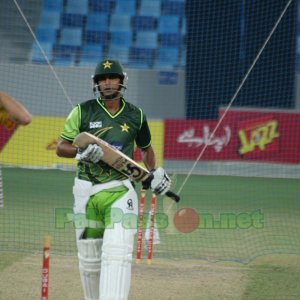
[[258, 136]]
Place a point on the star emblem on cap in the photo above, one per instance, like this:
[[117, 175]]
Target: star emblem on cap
[[107, 65], [124, 127]]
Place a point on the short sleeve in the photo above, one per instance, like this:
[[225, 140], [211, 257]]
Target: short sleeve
[[143, 139], [72, 125]]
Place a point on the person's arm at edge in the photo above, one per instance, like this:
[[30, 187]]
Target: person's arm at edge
[[15, 109]]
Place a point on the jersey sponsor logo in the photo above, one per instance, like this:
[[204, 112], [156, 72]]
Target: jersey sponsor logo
[[117, 145], [129, 204], [97, 124]]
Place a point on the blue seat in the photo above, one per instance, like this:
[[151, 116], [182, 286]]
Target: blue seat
[[65, 54], [53, 5], [90, 55], [173, 8], [50, 19], [150, 8], [144, 23], [73, 20], [120, 53], [141, 57], [171, 39], [104, 6], [77, 7], [122, 39], [167, 58], [120, 23], [37, 56], [65, 60], [146, 39], [45, 34], [96, 37], [71, 37], [169, 24], [125, 7], [97, 21]]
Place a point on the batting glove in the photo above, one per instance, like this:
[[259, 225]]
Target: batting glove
[[159, 181], [92, 153]]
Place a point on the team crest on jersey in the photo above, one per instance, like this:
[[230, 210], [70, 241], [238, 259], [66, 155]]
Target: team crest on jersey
[[97, 124], [124, 127]]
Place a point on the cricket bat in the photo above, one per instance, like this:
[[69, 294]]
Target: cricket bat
[[117, 159]]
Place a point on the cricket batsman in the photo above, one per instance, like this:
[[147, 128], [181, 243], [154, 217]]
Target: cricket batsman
[[102, 194]]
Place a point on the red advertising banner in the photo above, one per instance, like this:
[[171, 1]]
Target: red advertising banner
[[245, 135], [185, 139]]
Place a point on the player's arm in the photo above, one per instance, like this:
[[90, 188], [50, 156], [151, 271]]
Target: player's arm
[[149, 158], [143, 141], [158, 180], [15, 109], [65, 147], [70, 130]]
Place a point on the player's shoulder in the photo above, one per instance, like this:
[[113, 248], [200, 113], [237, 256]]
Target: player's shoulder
[[131, 107], [87, 102]]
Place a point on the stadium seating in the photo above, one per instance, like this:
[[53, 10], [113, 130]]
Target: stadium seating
[[173, 8], [104, 6], [37, 56], [122, 39], [66, 51], [120, 23], [150, 8], [144, 23], [73, 20], [170, 39], [141, 57], [138, 32], [45, 34], [97, 21], [50, 19], [97, 29], [120, 53], [90, 55], [96, 37], [125, 7], [53, 5], [169, 24], [167, 58], [77, 7], [146, 39], [71, 37]]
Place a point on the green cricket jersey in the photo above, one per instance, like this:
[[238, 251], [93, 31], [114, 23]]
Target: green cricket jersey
[[122, 130]]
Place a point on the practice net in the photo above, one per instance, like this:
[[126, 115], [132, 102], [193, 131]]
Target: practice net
[[218, 81]]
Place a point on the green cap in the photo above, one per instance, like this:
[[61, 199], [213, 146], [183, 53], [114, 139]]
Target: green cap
[[108, 67]]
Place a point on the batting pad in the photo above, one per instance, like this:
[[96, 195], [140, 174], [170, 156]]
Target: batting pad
[[117, 253], [89, 255], [81, 193]]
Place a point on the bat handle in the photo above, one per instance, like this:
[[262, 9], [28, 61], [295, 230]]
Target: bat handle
[[173, 196]]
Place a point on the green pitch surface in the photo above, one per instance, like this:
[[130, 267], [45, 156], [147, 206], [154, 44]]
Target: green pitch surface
[[240, 218]]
